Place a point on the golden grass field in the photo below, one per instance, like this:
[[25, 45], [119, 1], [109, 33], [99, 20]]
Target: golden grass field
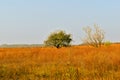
[[70, 63]]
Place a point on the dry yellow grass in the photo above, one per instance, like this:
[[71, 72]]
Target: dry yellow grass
[[71, 63]]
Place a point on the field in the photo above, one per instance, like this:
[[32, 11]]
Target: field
[[70, 63]]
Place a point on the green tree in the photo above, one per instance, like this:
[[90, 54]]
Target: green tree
[[58, 39], [94, 37]]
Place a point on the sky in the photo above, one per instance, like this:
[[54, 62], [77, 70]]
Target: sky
[[31, 21]]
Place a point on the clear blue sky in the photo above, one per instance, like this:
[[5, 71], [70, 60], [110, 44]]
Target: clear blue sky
[[31, 21]]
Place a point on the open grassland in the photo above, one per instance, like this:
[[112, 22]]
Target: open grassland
[[71, 63]]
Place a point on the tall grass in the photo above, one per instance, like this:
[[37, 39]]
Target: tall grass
[[72, 63]]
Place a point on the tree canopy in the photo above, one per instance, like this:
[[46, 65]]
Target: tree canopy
[[58, 39]]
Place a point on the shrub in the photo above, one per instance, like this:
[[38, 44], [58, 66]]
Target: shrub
[[94, 37], [107, 43]]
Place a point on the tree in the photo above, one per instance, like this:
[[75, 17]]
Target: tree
[[94, 37], [58, 39]]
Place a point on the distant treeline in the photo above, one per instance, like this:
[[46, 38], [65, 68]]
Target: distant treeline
[[20, 45]]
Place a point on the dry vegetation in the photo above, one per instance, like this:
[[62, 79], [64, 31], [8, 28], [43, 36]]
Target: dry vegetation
[[71, 63]]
